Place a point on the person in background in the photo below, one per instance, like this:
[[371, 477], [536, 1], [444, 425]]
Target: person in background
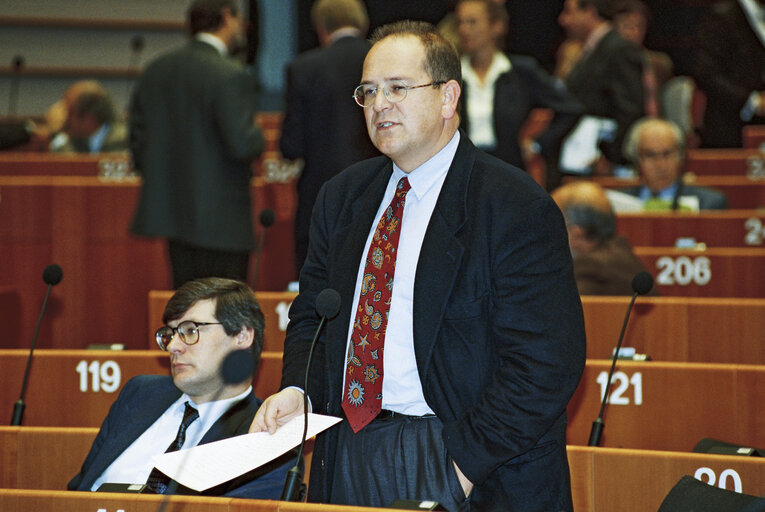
[[608, 77], [730, 69], [631, 21], [193, 138], [604, 263], [206, 320], [322, 125], [451, 377], [657, 149], [499, 92], [92, 126]]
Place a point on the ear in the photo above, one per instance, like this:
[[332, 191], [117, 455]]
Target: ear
[[245, 337], [450, 95]]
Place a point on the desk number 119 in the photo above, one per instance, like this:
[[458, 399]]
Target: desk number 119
[[105, 376]]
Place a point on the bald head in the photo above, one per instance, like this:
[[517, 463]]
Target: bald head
[[582, 192], [589, 216]]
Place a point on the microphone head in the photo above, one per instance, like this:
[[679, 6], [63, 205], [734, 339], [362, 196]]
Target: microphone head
[[642, 283], [267, 217], [52, 274], [17, 62], [238, 366], [328, 303], [137, 43]]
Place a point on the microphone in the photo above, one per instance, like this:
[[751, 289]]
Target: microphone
[[266, 218], [641, 284], [52, 275], [327, 306]]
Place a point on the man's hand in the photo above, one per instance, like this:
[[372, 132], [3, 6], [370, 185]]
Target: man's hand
[[467, 485], [277, 410]]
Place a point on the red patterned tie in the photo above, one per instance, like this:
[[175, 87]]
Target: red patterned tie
[[362, 399]]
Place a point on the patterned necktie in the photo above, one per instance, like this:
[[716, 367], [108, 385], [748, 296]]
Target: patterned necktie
[[157, 480], [362, 399]]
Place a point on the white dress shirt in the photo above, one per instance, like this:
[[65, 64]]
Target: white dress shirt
[[134, 465], [480, 100], [402, 390]]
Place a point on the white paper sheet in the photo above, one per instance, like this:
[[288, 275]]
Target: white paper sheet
[[208, 465]]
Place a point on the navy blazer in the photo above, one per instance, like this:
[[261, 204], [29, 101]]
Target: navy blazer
[[497, 369], [525, 87], [140, 403]]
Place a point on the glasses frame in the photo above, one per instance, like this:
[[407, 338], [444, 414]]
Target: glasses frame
[[176, 330], [386, 92]]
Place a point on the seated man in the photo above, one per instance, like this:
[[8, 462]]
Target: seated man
[[657, 149], [91, 126], [206, 320], [604, 263]]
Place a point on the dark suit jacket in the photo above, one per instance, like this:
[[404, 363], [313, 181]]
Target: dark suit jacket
[[140, 403], [608, 269], [322, 124], [525, 87], [609, 82], [494, 366], [193, 139], [709, 199], [730, 64]]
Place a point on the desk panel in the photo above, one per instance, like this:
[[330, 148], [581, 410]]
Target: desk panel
[[82, 224], [715, 272], [732, 228], [669, 406], [753, 136], [75, 388], [724, 162], [690, 329], [275, 306]]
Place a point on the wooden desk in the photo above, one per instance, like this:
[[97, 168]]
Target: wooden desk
[[670, 406], [743, 193], [82, 224], [607, 479], [689, 329], [715, 272], [731, 228], [723, 162], [275, 306], [75, 388], [753, 136]]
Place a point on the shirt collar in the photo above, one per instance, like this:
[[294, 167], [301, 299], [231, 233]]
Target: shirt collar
[[428, 174], [210, 412], [595, 37], [214, 41], [344, 32], [96, 141], [755, 13], [499, 64]]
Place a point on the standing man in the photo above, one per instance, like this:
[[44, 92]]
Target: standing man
[[608, 78], [444, 361], [205, 321], [193, 139], [730, 69], [321, 125]]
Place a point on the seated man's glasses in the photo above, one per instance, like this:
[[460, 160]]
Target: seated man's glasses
[[188, 332], [395, 91]]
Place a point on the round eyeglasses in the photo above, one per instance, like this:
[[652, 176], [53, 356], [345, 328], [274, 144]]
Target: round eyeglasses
[[188, 332], [394, 92]]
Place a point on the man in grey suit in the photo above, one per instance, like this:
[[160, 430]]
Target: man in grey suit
[[657, 148], [193, 139]]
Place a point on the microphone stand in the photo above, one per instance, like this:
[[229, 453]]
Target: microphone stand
[[19, 406], [597, 425]]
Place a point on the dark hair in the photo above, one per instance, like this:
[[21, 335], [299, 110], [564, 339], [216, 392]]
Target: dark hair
[[94, 104], [604, 8], [235, 307], [597, 224], [441, 60], [207, 15]]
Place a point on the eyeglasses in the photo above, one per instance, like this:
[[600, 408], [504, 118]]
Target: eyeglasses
[[188, 332], [394, 92]]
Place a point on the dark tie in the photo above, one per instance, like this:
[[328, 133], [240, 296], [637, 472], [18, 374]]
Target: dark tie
[[362, 399], [158, 481]]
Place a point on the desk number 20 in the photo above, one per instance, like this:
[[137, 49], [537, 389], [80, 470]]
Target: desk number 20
[[622, 382], [105, 376]]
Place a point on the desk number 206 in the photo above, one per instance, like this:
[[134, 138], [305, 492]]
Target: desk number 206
[[104, 376]]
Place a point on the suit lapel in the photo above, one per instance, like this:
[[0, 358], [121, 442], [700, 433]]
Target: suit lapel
[[442, 251]]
